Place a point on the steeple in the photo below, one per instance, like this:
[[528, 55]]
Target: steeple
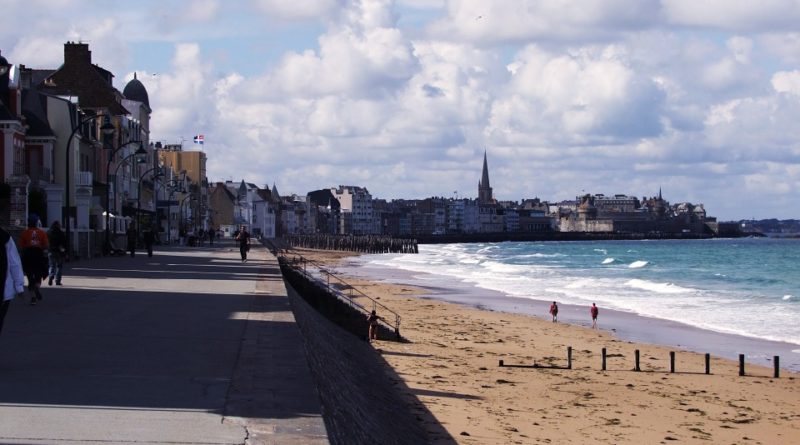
[[485, 174], [484, 190]]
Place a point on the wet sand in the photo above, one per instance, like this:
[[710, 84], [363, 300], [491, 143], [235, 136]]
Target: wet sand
[[450, 363]]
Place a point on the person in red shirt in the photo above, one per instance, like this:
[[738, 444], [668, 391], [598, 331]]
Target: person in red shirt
[[594, 311], [34, 244], [554, 312]]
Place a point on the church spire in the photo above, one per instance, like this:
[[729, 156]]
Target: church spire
[[485, 174], [484, 189]]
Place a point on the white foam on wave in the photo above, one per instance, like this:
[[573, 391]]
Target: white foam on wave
[[659, 288], [603, 251], [608, 261], [637, 264], [787, 297], [796, 351]]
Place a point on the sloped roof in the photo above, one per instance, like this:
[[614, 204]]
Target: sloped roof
[[5, 113], [34, 111]]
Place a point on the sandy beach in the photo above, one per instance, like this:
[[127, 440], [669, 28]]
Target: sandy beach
[[451, 365]]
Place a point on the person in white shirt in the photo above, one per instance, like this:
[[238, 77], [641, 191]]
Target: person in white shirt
[[13, 280]]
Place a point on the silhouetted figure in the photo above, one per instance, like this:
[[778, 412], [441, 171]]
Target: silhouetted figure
[[243, 236], [132, 236], [56, 253], [149, 240]]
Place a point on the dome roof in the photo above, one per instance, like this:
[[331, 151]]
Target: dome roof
[[135, 90]]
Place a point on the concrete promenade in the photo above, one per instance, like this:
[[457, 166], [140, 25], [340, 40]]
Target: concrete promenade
[[191, 346]]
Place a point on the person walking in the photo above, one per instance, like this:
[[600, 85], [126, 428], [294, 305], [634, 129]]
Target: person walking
[[34, 244], [11, 275], [132, 236], [594, 311], [372, 320], [243, 236], [554, 312], [149, 240], [211, 233], [56, 253]]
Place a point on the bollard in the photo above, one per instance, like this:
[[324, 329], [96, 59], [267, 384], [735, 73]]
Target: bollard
[[501, 363], [777, 361], [604, 359], [741, 364], [672, 362], [636, 366], [708, 363], [569, 357]]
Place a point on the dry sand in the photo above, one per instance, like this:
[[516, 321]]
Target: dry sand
[[450, 364]]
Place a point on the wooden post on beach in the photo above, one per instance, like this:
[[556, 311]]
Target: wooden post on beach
[[708, 363], [636, 366], [501, 363], [672, 362], [777, 362], [741, 364], [569, 357], [604, 359]]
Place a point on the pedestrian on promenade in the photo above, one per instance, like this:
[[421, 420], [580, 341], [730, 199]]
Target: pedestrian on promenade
[[132, 236], [149, 240], [594, 311], [211, 233], [13, 279], [372, 320], [56, 253], [34, 244], [243, 236], [554, 312]]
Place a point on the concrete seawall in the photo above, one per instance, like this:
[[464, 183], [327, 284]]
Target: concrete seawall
[[360, 397]]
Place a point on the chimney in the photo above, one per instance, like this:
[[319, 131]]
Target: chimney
[[77, 53]]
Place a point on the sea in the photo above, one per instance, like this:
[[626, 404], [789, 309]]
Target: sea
[[746, 290]]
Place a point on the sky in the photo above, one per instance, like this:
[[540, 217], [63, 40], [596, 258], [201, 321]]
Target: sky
[[700, 99]]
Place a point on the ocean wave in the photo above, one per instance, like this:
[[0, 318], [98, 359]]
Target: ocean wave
[[538, 255], [638, 264], [608, 261], [787, 297], [603, 251], [659, 288]]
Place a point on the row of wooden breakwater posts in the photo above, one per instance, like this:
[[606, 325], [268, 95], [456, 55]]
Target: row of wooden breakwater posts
[[776, 360], [354, 243]]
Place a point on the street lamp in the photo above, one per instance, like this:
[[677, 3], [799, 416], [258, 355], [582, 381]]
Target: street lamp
[[107, 128], [173, 185], [139, 153], [139, 192]]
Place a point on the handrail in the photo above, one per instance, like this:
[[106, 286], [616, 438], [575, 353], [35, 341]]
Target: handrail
[[300, 264]]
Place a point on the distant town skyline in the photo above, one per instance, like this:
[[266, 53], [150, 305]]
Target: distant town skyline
[[403, 97]]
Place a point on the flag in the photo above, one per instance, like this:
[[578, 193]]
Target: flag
[[199, 139]]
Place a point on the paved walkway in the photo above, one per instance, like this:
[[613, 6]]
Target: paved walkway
[[189, 346]]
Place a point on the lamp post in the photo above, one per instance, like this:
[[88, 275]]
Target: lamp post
[[139, 191], [190, 198], [174, 185], [107, 128], [139, 152]]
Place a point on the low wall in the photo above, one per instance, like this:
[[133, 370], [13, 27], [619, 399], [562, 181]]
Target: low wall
[[360, 400]]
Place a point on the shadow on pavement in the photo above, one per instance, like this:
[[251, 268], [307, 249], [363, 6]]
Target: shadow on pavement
[[170, 340]]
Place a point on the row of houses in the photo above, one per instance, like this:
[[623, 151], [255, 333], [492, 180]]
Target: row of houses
[[346, 210], [77, 150], [349, 209]]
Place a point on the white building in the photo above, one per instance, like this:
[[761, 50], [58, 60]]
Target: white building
[[358, 216]]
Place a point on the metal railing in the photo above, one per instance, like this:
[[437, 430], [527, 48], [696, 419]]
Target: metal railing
[[343, 290]]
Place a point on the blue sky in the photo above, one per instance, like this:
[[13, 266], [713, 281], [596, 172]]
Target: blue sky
[[701, 99]]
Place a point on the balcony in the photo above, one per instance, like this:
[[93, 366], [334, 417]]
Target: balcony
[[83, 179]]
